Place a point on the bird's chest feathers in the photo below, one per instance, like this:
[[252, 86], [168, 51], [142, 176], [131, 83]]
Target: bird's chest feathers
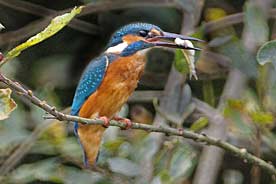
[[120, 80], [123, 75]]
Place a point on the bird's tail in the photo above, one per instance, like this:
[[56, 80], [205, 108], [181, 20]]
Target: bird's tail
[[90, 137]]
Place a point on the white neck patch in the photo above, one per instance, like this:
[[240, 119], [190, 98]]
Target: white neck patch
[[117, 49]]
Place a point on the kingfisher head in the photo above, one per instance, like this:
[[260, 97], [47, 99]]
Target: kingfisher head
[[137, 37]]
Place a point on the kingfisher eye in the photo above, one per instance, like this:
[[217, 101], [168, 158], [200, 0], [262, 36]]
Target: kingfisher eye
[[143, 33]]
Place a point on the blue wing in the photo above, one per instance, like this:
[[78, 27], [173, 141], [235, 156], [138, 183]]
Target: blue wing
[[89, 82]]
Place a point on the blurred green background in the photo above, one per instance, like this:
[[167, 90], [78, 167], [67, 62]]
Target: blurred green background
[[236, 73]]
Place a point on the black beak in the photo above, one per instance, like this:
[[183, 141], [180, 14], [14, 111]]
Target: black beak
[[168, 40]]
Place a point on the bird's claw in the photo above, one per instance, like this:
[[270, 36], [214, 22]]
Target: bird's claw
[[124, 120], [105, 120]]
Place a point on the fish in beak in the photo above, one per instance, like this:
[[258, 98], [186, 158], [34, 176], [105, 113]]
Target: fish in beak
[[173, 40]]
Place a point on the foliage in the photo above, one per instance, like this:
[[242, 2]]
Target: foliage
[[7, 104], [55, 26], [267, 53]]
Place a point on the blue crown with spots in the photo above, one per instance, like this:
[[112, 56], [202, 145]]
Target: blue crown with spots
[[133, 29]]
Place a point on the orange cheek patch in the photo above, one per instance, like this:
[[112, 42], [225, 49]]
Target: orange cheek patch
[[131, 38]]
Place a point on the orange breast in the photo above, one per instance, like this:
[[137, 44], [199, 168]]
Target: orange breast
[[119, 82]]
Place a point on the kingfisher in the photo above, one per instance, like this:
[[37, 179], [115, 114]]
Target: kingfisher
[[109, 80]]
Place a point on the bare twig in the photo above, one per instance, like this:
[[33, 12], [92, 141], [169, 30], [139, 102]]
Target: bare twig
[[231, 20], [123, 4], [177, 119], [145, 96], [241, 153], [38, 10]]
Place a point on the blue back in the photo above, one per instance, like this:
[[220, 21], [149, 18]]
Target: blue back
[[90, 81]]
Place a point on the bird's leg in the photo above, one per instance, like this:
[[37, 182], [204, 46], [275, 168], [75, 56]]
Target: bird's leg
[[123, 120], [105, 120]]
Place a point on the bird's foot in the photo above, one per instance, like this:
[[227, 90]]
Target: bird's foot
[[124, 120], [105, 120]]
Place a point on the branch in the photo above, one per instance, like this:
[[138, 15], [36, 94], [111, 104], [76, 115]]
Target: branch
[[231, 20], [124, 4], [202, 138], [41, 11]]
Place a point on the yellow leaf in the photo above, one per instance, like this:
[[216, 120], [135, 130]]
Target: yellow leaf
[[199, 124], [7, 104], [236, 104], [214, 14], [262, 118], [56, 25]]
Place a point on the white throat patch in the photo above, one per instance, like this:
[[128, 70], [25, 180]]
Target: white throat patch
[[117, 49]]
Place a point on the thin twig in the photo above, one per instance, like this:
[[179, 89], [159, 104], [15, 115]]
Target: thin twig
[[231, 20], [241, 153], [47, 13], [123, 4]]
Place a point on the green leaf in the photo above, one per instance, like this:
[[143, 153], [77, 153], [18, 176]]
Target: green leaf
[[262, 118], [256, 23], [267, 53], [184, 62], [56, 25], [165, 176], [199, 124], [180, 62], [208, 92], [7, 104]]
